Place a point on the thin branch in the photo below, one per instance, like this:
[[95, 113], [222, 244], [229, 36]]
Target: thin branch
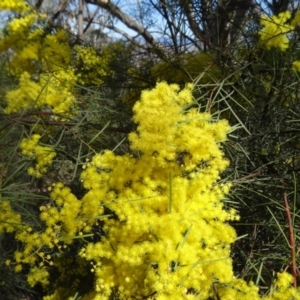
[[165, 14], [126, 19], [90, 21], [247, 176], [117, 30], [25, 119], [62, 7], [190, 14], [38, 4], [291, 236], [80, 19]]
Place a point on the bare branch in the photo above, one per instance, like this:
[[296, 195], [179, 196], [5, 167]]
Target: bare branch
[[217, 26], [189, 11], [38, 4], [111, 27], [165, 14], [62, 7], [91, 19], [126, 19], [80, 19]]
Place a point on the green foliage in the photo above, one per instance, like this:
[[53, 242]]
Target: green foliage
[[267, 169]]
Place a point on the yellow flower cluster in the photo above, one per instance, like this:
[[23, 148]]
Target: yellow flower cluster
[[42, 65], [170, 234], [275, 30], [42, 154], [296, 66], [33, 243], [65, 219], [38, 275], [61, 227], [9, 220], [14, 5], [48, 92], [238, 289], [18, 26], [91, 65], [296, 20], [65, 212], [284, 289], [45, 66], [17, 31], [57, 53]]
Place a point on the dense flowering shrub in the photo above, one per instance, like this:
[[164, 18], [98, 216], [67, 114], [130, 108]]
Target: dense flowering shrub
[[45, 68], [169, 234], [48, 70], [163, 222], [152, 223]]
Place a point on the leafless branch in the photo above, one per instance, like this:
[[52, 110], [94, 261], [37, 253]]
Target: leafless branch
[[91, 19], [126, 19]]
